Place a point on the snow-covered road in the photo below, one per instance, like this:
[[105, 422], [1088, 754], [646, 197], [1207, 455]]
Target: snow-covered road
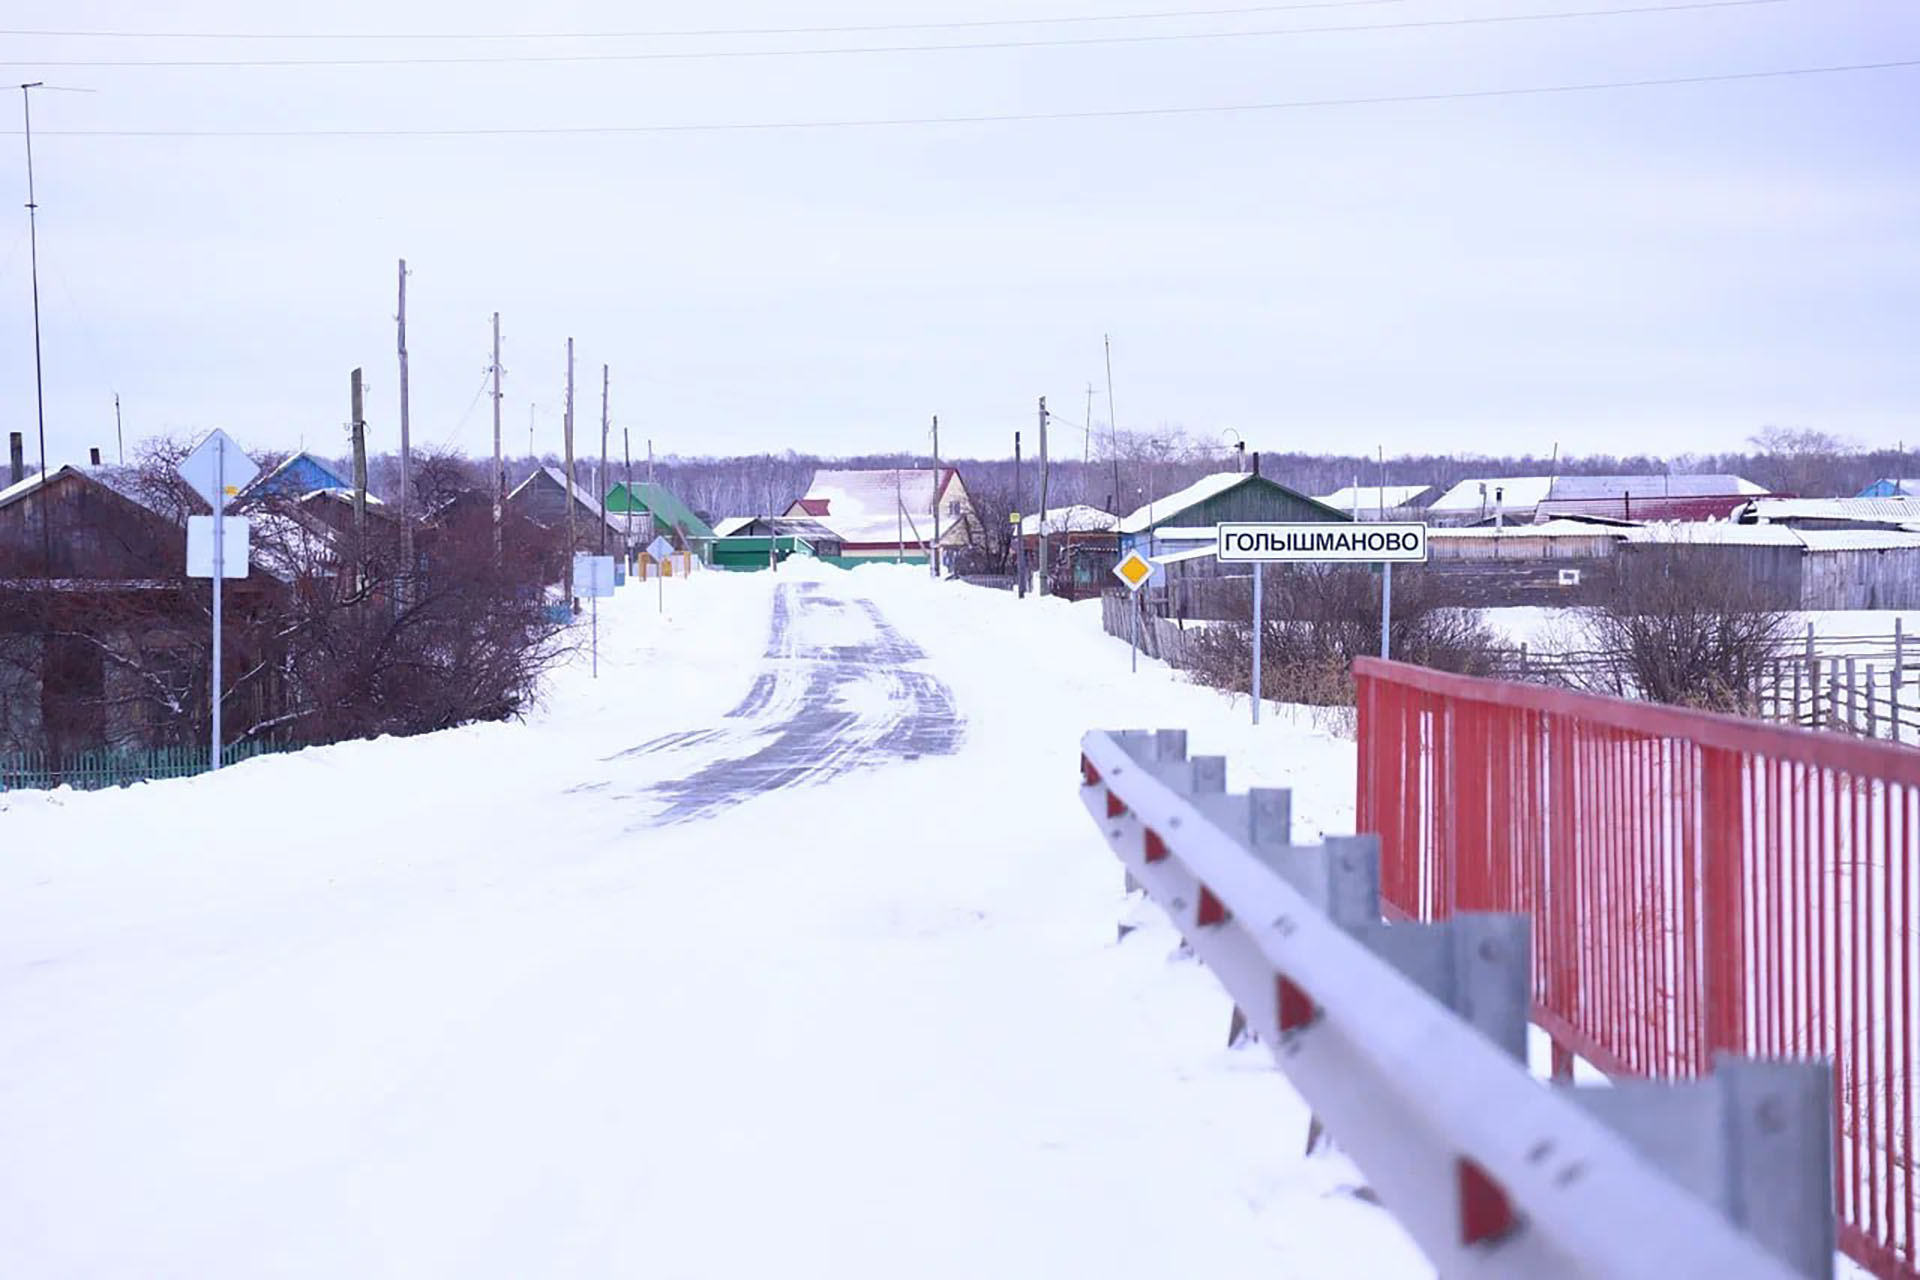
[[826, 986]]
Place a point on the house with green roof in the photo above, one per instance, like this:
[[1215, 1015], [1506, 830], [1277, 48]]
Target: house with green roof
[[670, 518]]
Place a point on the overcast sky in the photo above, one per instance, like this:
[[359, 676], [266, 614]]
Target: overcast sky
[[1657, 268]]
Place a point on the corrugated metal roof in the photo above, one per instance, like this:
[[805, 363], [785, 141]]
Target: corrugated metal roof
[[1878, 510], [1546, 529], [1532, 491]]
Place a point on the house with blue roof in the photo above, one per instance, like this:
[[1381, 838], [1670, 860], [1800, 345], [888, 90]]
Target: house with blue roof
[[297, 477]]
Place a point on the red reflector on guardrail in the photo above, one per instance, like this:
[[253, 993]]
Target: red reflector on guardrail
[[1089, 775], [1156, 847], [1212, 910], [1296, 1006], [1485, 1212], [1115, 806]]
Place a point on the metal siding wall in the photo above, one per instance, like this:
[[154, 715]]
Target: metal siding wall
[[1248, 502]]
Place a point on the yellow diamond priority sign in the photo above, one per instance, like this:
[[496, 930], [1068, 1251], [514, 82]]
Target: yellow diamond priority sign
[[1135, 570]]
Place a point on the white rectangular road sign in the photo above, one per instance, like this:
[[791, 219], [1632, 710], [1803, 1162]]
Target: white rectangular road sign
[[234, 532], [1323, 542], [592, 576], [209, 474]]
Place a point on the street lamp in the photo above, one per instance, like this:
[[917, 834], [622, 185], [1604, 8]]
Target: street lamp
[[1240, 448]]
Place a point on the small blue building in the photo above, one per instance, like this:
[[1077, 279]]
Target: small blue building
[[1891, 489]]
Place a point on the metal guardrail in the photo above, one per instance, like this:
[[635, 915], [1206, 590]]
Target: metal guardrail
[[1408, 1041]]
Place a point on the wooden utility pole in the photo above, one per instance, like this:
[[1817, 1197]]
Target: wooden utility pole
[[357, 427], [1086, 454], [567, 476], [499, 462], [1113, 426], [899, 522], [406, 451], [1019, 542], [934, 560], [1045, 563], [600, 489], [626, 447]]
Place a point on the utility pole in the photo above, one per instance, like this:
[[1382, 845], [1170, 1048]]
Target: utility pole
[[531, 457], [567, 476], [39, 385], [118, 434], [1019, 542], [933, 561], [499, 462], [357, 429], [1086, 455], [626, 447], [600, 485], [406, 452], [1113, 423], [649, 461], [899, 522], [1046, 564]]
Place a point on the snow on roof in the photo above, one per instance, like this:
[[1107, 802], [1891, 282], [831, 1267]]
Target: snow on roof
[[732, 525], [1368, 496], [885, 505], [1546, 529], [1531, 491], [1686, 485], [1191, 553], [14, 492], [1174, 503], [1879, 510], [1728, 533], [1516, 491], [1077, 518]]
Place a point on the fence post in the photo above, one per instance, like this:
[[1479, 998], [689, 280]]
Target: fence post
[[1558, 901], [1873, 707], [1796, 694], [1723, 879]]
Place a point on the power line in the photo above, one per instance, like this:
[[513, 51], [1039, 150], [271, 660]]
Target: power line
[[685, 33], [684, 55], [1297, 104]]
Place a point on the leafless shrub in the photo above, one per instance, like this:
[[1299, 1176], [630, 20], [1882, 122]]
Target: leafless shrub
[[1682, 629], [1318, 620]]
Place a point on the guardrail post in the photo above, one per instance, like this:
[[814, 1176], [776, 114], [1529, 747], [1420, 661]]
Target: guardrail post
[[1754, 1139]]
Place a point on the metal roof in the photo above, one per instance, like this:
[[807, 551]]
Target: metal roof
[[1871, 510]]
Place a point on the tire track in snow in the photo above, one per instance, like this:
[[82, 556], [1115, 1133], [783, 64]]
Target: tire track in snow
[[843, 698]]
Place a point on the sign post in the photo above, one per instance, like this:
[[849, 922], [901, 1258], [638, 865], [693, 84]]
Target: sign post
[[1320, 543], [593, 578], [217, 470], [1136, 571], [660, 549]]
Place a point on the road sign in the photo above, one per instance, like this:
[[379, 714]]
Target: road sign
[[213, 476], [659, 549], [1323, 542], [1136, 570], [235, 551], [592, 576]]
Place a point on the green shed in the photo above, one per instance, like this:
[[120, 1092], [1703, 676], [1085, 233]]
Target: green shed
[[746, 554]]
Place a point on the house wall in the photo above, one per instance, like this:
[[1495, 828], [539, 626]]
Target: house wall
[[95, 534]]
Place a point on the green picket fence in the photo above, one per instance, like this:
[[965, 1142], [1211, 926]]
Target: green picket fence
[[95, 770]]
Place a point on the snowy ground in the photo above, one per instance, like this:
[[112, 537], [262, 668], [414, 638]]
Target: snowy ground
[[500, 1001]]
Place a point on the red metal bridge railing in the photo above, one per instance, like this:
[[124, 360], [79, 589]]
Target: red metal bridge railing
[[1697, 882]]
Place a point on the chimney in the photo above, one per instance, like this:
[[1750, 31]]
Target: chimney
[[1256, 463], [16, 457], [94, 454]]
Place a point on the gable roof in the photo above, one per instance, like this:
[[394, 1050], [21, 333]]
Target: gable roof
[[301, 473], [14, 492], [1164, 510], [879, 507], [1078, 518], [663, 503], [1521, 492]]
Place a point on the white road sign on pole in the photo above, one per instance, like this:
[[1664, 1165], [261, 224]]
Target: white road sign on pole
[[217, 469], [235, 550], [1327, 542], [1320, 542]]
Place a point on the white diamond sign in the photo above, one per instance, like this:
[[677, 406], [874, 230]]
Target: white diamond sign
[[659, 548], [218, 469]]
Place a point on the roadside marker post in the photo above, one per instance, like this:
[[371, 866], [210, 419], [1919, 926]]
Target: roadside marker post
[[1323, 542], [660, 549], [1136, 571], [217, 470]]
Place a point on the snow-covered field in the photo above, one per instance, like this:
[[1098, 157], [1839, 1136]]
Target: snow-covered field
[[463, 1005]]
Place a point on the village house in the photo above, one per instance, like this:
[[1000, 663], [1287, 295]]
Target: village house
[[889, 514]]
